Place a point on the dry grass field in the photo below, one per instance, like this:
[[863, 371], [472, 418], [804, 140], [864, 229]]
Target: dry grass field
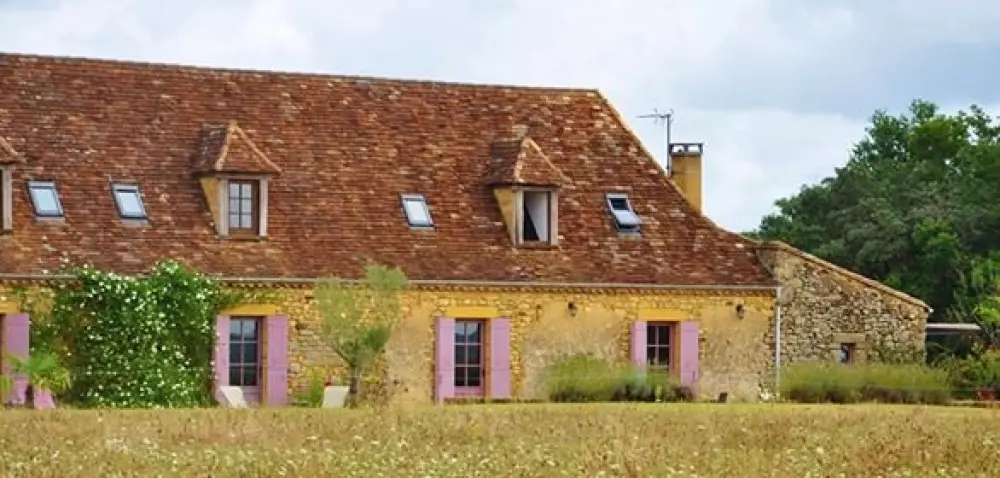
[[507, 440]]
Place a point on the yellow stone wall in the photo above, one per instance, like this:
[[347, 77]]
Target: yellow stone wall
[[735, 357], [734, 354]]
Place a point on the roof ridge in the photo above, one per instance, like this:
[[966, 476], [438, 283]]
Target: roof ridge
[[193, 68]]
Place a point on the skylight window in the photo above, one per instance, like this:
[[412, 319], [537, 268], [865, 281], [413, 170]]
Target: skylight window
[[129, 201], [625, 217], [417, 214], [45, 199]]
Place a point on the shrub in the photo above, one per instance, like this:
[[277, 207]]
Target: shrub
[[975, 373], [136, 341], [312, 394], [585, 378], [876, 382]]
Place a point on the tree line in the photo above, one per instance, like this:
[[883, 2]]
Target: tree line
[[916, 206]]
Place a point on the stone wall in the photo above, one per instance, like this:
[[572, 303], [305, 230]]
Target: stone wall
[[823, 305], [734, 350]]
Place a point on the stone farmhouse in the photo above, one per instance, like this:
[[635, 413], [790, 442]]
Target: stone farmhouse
[[531, 221]]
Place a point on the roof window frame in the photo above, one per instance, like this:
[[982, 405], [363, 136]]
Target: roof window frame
[[125, 187], [410, 220], [49, 185], [628, 210]]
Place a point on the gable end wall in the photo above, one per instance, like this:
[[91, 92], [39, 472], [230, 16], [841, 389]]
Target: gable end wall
[[823, 305]]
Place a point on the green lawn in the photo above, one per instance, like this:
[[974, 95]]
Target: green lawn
[[508, 440]]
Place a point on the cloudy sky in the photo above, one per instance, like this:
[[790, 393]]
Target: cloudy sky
[[777, 89]]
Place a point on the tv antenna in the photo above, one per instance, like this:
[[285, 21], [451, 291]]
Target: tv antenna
[[666, 119]]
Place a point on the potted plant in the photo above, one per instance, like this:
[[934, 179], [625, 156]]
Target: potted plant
[[44, 373]]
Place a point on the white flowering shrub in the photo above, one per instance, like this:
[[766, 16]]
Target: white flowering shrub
[[139, 342]]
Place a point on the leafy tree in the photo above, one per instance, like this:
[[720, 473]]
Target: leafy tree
[[358, 318], [916, 205]]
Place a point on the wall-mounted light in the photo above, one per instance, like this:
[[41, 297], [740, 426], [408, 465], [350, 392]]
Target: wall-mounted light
[[572, 309], [740, 311]]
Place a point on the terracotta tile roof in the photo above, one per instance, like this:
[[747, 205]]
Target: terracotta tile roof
[[227, 149], [520, 161], [348, 147]]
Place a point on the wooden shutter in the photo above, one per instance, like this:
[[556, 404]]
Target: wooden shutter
[[500, 386], [276, 366], [444, 359]]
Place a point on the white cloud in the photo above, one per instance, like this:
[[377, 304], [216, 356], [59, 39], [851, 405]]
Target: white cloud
[[737, 72]]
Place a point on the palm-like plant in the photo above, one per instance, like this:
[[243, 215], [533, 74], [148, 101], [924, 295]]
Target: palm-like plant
[[6, 384], [44, 372]]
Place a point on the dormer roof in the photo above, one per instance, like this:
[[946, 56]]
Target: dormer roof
[[7, 153], [228, 149], [520, 161]]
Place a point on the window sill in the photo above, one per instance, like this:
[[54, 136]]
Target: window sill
[[242, 238], [538, 246]]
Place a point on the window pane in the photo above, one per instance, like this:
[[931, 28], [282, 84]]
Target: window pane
[[626, 218], [662, 336], [651, 354], [129, 203], [234, 354], [416, 212], [250, 353], [234, 205], [246, 206], [459, 376], [246, 221], [475, 333], [460, 356], [249, 330], [473, 378], [245, 191], [460, 332], [234, 190], [473, 355], [45, 200], [235, 378], [234, 331], [249, 376], [234, 219], [619, 204]]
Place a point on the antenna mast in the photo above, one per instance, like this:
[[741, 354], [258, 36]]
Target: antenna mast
[[667, 120]]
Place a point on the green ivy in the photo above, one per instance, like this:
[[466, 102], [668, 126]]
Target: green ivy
[[137, 342]]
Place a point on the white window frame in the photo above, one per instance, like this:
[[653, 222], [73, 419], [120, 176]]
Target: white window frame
[[128, 188], [618, 214], [261, 203], [51, 185], [553, 215], [421, 202]]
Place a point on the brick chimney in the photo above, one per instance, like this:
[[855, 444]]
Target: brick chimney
[[685, 161]]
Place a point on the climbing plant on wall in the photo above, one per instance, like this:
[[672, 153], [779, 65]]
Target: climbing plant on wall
[[138, 341]]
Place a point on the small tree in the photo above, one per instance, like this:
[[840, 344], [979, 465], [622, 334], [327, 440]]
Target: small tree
[[358, 318], [44, 372]]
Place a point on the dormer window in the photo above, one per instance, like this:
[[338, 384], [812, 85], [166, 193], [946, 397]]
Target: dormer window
[[129, 201], [417, 213], [536, 218], [45, 199], [243, 199], [625, 218]]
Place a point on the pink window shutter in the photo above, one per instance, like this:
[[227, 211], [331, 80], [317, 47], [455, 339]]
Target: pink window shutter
[[444, 359], [16, 328], [500, 386], [276, 367], [689, 366], [221, 355], [638, 344]]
